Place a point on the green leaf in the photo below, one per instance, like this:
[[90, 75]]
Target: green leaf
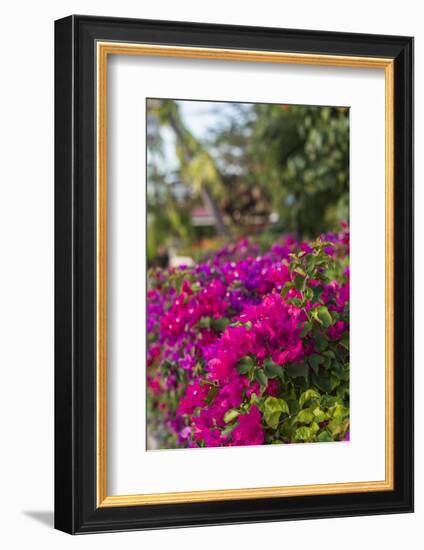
[[324, 437], [315, 361], [303, 434], [341, 371], [273, 407], [211, 394], [261, 377], [314, 427], [293, 406], [321, 342], [220, 324], [272, 419], [298, 282], [335, 381], [320, 415], [230, 415], [342, 390], [298, 370], [307, 327], [345, 341], [322, 315], [244, 364], [327, 363], [275, 404], [339, 411], [286, 288], [328, 401], [335, 425], [228, 429], [305, 416], [324, 382], [205, 322], [307, 396], [272, 370], [309, 294]]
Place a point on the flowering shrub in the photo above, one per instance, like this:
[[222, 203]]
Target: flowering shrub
[[251, 349]]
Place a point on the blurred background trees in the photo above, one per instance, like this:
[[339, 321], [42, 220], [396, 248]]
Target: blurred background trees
[[249, 169]]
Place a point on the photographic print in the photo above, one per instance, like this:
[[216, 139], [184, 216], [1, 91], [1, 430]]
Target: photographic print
[[248, 274], [212, 183]]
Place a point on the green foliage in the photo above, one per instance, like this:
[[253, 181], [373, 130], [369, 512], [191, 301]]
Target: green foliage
[[272, 370], [303, 155], [272, 409], [230, 415], [290, 160], [245, 365], [315, 391]]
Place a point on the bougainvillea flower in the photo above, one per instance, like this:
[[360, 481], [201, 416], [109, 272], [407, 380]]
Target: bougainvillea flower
[[242, 328], [249, 430]]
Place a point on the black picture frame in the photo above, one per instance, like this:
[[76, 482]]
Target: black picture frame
[[76, 510]]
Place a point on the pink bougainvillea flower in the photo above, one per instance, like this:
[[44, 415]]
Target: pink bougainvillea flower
[[213, 329], [195, 396], [336, 331], [273, 387], [249, 430]]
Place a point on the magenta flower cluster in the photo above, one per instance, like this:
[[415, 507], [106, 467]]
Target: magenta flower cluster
[[229, 338]]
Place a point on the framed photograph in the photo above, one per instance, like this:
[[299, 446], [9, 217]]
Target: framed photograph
[[234, 274]]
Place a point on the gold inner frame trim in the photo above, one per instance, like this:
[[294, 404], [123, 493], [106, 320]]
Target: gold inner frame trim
[[103, 50]]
